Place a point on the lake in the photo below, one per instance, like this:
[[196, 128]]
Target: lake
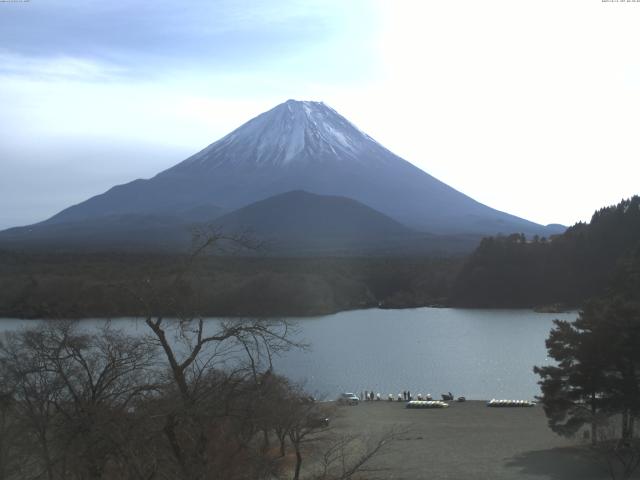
[[481, 354]]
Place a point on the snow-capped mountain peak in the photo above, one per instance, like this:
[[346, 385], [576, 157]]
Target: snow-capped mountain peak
[[302, 146], [294, 131]]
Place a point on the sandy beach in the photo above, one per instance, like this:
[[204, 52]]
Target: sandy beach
[[470, 441]]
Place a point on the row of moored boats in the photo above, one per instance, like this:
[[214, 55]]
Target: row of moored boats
[[491, 403]]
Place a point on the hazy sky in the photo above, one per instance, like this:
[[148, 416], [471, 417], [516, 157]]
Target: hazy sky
[[531, 107]]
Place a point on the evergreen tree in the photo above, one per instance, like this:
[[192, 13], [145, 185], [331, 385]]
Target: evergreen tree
[[597, 375], [573, 391], [508, 271]]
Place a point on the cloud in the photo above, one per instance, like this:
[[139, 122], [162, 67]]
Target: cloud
[[56, 68], [163, 35], [530, 107], [132, 70], [97, 92], [42, 177]]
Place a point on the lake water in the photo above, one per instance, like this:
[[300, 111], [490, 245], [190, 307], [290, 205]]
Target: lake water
[[480, 354]]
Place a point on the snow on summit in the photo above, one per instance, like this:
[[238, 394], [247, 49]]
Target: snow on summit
[[291, 132]]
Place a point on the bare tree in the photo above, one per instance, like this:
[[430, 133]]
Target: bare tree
[[340, 456], [7, 435], [35, 390], [72, 394], [193, 348], [346, 456], [303, 430]]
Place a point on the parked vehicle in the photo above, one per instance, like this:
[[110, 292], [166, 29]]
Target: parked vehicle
[[348, 399]]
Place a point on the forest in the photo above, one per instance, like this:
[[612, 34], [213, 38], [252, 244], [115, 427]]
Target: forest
[[510, 271], [110, 284], [562, 271]]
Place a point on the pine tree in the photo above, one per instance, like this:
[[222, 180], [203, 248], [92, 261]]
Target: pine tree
[[597, 375], [573, 391]]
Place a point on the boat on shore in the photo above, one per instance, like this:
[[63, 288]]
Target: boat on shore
[[510, 403], [426, 404]]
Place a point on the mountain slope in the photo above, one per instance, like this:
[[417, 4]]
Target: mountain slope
[[301, 221], [125, 232], [303, 146], [289, 224], [114, 231], [299, 214]]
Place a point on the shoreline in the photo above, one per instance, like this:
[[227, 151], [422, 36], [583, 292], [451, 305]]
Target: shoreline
[[9, 316]]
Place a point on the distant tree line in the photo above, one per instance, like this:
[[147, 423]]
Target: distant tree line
[[567, 269], [504, 271], [100, 285]]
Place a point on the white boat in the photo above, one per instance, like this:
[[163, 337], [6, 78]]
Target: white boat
[[427, 404], [510, 403]]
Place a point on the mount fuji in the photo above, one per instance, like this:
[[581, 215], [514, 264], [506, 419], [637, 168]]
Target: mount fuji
[[296, 146]]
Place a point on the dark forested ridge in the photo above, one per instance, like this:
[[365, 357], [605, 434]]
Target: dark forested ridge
[[110, 285], [564, 270]]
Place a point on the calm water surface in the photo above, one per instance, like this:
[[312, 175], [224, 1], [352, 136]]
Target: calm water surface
[[480, 354]]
